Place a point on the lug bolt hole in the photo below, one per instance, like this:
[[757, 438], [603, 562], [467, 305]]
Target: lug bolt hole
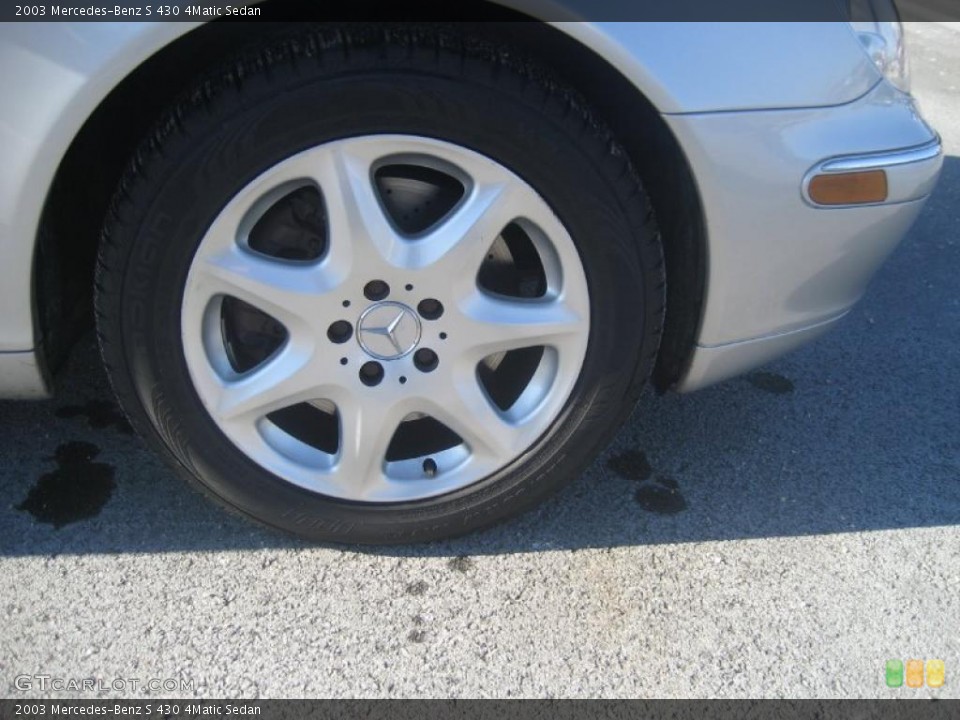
[[425, 360], [443, 336], [346, 303], [343, 361], [371, 373], [429, 467], [340, 331], [403, 379], [376, 290], [408, 287], [430, 309]]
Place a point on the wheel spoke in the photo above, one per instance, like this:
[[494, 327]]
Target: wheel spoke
[[285, 291], [366, 427], [360, 234], [456, 248], [284, 380], [502, 324], [461, 404]]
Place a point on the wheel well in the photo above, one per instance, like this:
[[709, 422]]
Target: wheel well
[[93, 165]]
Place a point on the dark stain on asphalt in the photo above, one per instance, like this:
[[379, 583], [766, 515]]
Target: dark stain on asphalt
[[417, 636], [632, 465], [78, 489], [417, 588], [771, 383], [461, 564], [661, 496], [99, 413]]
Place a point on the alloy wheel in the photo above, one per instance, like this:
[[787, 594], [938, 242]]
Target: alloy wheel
[[385, 318]]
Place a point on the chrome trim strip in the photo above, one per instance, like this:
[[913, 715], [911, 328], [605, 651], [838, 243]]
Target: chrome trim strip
[[854, 163], [931, 151]]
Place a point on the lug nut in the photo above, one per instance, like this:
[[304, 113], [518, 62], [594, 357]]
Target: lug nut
[[430, 309], [425, 360], [371, 373], [340, 331], [376, 290]]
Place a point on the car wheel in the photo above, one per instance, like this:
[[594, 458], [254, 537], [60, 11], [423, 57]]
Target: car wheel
[[379, 285]]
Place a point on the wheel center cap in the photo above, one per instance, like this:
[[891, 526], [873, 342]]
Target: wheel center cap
[[388, 330]]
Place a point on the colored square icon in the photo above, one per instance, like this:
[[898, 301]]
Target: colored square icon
[[914, 673], [936, 673], [894, 673]]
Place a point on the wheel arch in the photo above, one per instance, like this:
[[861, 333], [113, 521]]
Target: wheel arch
[[90, 169]]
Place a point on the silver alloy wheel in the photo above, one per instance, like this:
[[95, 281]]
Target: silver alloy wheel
[[441, 263]]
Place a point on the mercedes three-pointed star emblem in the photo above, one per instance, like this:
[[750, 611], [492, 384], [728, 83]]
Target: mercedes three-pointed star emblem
[[388, 330]]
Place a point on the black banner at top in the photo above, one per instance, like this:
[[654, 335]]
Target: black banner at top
[[479, 10]]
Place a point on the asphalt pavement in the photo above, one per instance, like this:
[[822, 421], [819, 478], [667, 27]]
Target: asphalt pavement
[[781, 534]]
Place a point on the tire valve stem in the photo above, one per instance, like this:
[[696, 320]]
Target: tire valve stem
[[429, 467]]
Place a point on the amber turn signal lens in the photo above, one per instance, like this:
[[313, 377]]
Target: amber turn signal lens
[[849, 188]]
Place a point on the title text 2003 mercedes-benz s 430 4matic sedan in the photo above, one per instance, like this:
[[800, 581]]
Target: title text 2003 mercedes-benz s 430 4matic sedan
[[395, 282]]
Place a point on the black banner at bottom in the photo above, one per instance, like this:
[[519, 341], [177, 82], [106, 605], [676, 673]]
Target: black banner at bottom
[[486, 709]]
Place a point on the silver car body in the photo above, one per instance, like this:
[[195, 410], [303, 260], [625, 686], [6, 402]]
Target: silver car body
[[755, 107]]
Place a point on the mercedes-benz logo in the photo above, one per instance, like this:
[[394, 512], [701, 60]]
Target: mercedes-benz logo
[[388, 330]]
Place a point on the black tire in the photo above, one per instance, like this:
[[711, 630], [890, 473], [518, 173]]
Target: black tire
[[324, 84]]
